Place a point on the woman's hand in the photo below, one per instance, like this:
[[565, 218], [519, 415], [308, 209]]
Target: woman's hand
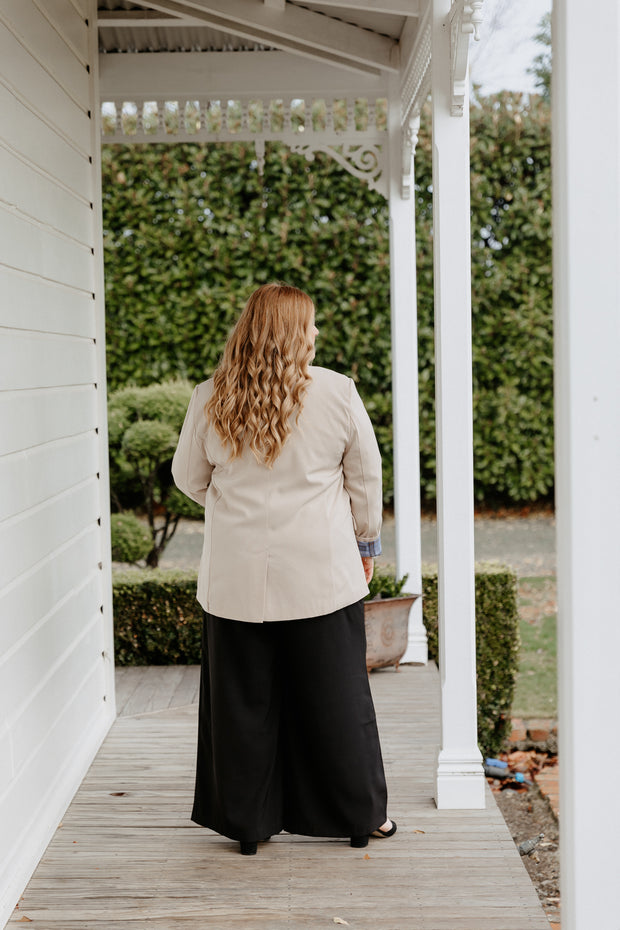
[[369, 566]]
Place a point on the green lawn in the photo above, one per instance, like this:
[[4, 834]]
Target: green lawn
[[536, 685]]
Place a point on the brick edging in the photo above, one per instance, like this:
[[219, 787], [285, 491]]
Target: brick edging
[[534, 733]]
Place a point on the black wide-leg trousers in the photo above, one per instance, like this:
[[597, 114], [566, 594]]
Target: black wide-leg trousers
[[287, 734]]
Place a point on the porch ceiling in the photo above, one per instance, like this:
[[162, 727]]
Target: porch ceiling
[[291, 51], [126, 26], [350, 46]]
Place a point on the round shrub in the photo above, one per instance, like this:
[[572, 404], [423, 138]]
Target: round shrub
[[131, 539]]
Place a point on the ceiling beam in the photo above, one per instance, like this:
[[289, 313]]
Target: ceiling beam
[[395, 7], [293, 29], [118, 19]]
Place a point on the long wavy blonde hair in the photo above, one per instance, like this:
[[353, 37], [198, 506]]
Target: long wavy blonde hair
[[264, 372]]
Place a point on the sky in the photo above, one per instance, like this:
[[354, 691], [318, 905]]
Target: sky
[[499, 61]]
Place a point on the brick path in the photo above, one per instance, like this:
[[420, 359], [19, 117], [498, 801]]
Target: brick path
[[539, 735], [548, 780], [542, 735]]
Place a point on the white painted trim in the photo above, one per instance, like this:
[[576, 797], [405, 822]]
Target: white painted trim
[[309, 140], [586, 296], [416, 70], [393, 7], [460, 783], [410, 133], [249, 118], [460, 777], [295, 29], [100, 350], [465, 19], [366, 162], [405, 384], [238, 75], [136, 19]]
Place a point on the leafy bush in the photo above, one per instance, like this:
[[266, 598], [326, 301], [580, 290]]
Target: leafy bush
[[144, 425], [497, 647], [131, 540], [384, 584], [157, 621], [191, 229]]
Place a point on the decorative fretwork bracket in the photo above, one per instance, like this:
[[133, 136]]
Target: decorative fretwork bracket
[[465, 20], [355, 140], [366, 162], [410, 141]]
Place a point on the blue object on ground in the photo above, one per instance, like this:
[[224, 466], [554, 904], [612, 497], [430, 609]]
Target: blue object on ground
[[520, 777], [494, 771]]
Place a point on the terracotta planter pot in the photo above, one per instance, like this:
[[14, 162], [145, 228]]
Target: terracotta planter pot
[[386, 621]]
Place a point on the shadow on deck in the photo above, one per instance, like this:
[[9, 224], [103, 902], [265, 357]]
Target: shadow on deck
[[127, 857]]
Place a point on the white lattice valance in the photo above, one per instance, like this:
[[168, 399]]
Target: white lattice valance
[[352, 131]]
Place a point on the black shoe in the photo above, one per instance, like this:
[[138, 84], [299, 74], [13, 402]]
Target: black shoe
[[248, 849], [384, 833], [359, 842]]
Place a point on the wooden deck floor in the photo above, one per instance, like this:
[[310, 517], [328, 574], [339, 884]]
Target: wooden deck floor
[[127, 857]]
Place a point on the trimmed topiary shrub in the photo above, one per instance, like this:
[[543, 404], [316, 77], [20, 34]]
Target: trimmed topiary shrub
[[497, 647], [144, 425], [131, 539]]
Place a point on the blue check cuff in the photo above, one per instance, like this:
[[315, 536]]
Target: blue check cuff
[[369, 548]]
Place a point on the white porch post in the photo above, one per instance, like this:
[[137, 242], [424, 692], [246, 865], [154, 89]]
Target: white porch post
[[405, 382], [460, 777], [586, 223]]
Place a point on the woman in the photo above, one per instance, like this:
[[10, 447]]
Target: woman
[[283, 458]]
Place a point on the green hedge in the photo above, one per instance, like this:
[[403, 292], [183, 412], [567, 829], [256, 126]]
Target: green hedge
[[497, 647], [157, 621], [190, 229]]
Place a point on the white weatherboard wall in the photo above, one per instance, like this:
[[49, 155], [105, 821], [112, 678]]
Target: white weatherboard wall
[[586, 297], [56, 683]]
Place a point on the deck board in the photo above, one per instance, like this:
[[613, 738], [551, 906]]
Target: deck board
[[127, 857]]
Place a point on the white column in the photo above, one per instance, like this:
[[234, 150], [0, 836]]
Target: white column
[[405, 383], [586, 250], [460, 777]]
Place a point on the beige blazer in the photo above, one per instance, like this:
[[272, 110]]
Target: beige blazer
[[280, 543]]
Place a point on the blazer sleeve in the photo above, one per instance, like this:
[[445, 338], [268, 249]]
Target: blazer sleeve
[[191, 469], [361, 465]]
